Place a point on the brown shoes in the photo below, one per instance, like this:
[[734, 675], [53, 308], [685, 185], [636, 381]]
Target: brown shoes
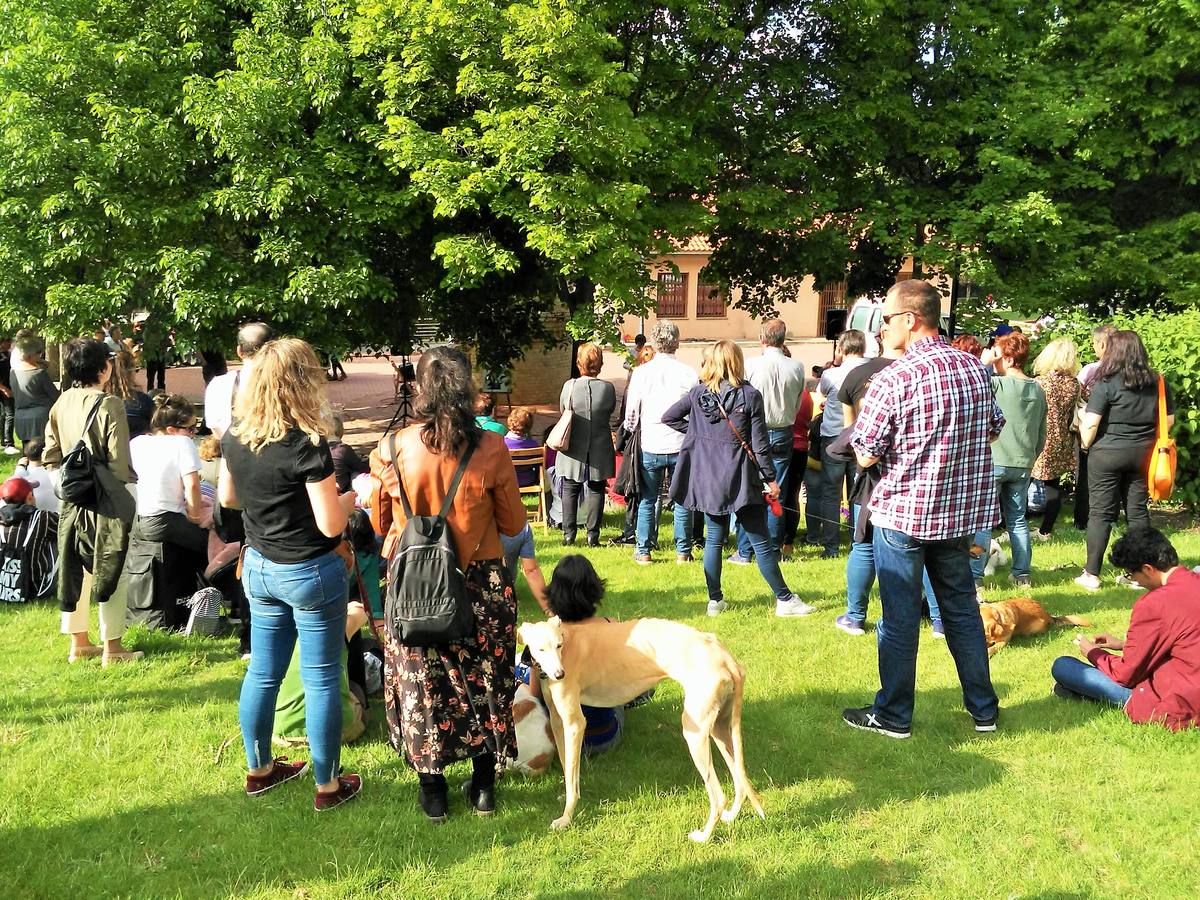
[[347, 789], [89, 652], [281, 771], [121, 656]]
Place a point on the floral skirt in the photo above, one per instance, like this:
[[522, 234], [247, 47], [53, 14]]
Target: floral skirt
[[450, 703]]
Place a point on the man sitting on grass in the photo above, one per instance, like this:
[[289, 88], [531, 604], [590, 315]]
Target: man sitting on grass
[[1157, 677]]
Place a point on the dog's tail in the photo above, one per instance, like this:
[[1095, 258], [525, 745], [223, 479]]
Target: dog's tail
[[1080, 621], [729, 724]]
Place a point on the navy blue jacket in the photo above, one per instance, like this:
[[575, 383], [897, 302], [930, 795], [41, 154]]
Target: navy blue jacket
[[713, 473]]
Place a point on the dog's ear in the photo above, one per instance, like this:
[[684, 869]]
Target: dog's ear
[[521, 632], [555, 621]]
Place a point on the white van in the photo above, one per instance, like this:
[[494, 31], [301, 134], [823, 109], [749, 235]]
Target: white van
[[866, 315]]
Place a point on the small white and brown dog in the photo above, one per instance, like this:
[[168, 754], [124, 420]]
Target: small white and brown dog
[[609, 663]]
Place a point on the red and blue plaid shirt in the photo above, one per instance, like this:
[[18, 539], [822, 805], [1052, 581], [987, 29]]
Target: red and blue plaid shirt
[[930, 417]]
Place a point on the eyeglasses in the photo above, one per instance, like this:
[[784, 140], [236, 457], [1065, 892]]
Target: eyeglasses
[[887, 319]]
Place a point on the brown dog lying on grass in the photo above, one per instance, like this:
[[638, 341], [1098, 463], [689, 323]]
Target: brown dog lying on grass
[[1007, 619]]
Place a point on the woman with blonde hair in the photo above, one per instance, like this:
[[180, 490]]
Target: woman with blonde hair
[[725, 467], [452, 702], [276, 466], [1056, 368], [589, 459]]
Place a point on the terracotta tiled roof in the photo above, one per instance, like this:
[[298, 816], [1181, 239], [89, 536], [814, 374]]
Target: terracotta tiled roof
[[697, 243]]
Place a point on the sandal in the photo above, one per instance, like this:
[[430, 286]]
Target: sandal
[[89, 652]]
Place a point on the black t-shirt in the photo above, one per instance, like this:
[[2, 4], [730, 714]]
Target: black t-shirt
[[271, 488], [1128, 418], [854, 388]]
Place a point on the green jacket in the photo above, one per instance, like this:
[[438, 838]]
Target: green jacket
[[1023, 403]]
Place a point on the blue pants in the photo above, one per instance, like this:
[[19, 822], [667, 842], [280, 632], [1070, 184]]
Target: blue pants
[[1088, 681], [781, 460], [860, 577], [1012, 486], [899, 560], [653, 467], [837, 475], [304, 601], [753, 519]]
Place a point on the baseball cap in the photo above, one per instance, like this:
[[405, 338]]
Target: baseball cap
[[15, 490], [1002, 330]]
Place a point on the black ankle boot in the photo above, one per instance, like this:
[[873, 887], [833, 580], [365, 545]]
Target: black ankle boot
[[432, 797], [481, 789]]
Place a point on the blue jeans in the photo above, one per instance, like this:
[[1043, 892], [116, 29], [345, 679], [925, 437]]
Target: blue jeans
[[304, 600], [753, 519], [860, 577], [899, 559], [653, 466], [1088, 681], [836, 474], [1012, 486], [781, 460], [814, 490]]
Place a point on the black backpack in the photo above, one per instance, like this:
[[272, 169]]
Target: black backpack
[[427, 603], [77, 482]]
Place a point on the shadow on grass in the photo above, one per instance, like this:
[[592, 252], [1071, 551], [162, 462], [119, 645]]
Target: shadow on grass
[[729, 878]]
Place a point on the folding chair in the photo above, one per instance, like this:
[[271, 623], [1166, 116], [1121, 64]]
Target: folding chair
[[534, 457]]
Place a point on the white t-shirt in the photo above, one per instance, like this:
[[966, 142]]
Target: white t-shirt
[[43, 481], [218, 398], [161, 461]]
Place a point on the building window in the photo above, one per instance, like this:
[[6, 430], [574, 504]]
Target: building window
[[833, 296], [710, 301], [672, 295]]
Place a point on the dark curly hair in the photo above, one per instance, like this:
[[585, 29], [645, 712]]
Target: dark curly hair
[[84, 360], [575, 590], [1143, 547], [446, 401]]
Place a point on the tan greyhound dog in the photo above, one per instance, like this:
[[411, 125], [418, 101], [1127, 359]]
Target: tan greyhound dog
[[610, 663]]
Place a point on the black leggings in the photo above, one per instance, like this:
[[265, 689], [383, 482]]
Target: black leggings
[[1054, 499], [1116, 478]]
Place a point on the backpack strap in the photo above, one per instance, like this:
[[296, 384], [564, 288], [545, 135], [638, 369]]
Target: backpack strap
[[91, 419], [454, 482]]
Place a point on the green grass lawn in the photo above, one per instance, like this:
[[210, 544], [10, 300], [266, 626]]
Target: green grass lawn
[[128, 782]]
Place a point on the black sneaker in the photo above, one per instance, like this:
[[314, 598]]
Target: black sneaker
[[987, 724], [866, 719], [1066, 693]]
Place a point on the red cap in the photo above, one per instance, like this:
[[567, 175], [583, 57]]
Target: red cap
[[15, 490]]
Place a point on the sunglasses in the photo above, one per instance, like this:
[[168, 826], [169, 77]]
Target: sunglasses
[[887, 319]]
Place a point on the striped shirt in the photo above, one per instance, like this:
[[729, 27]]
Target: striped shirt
[[930, 418]]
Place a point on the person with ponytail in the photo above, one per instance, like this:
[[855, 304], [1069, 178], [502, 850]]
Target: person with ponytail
[[452, 703], [169, 510], [276, 467]]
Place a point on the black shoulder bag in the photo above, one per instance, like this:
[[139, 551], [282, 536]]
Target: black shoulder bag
[[77, 481], [427, 602]]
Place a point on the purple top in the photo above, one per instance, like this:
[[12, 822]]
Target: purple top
[[527, 476]]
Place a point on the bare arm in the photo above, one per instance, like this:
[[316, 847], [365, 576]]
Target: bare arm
[[226, 491], [537, 583], [191, 496], [328, 510], [1088, 426]]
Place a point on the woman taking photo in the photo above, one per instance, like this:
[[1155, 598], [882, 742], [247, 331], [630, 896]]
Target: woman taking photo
[[276, 467], [92, 541], [1118, 432], [139, 408], [589, 458], [32, 390], [725, 467], [1056, 368], [452, 703]]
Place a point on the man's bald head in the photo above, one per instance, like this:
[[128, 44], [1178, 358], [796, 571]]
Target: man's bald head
[[251, 338]]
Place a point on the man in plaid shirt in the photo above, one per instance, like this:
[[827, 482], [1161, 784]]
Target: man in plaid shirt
[[928, 420]]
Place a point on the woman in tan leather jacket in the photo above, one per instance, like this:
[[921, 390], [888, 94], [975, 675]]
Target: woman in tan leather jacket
[[451, 703]]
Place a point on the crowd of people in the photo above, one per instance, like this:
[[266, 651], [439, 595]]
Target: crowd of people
[[931, 445]]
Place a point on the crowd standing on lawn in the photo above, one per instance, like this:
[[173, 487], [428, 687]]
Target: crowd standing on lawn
[[931, 444]]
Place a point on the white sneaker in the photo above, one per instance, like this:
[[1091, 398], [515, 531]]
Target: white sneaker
[[1126, 581], [10, 450], [1088, 581], [716, 607], [793, 606], [1038, 536]]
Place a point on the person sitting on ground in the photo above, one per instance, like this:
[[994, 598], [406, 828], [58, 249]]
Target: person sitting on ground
[[485, 405], [28, 545], [1157, 676], [574, 592], [520, 421], [43, 480], [346, 462], [210, 467], [169, 507]]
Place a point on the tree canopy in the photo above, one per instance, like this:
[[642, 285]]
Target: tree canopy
[[346, 169]]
